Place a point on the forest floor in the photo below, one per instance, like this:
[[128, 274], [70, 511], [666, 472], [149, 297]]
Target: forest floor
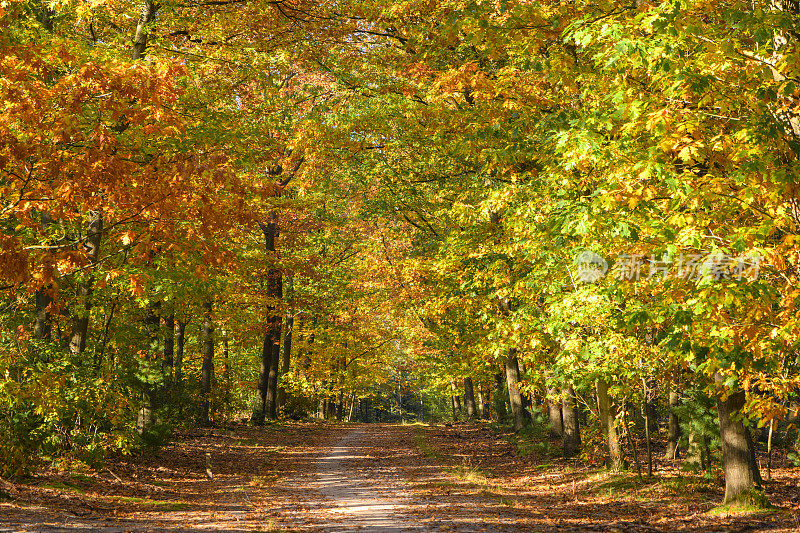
[[310, 477]]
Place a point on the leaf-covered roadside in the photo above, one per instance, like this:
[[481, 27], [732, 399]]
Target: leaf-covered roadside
[[255, 475], [496, 479]]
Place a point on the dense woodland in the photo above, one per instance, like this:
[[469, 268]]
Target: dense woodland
[[584, 215]]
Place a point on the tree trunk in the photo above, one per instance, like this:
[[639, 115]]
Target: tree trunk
[[168, 329], [607, 412], [695, 448], [481, 401], [226, 367], [352, 411], [285, 362], [455, 400], [528, 405], [515, 399], [753, 461], [554, 407], [80, 322], [208, 365], [572, 429], [500, 393], [740, 478], [271, 397], [42, 327], [646, 414], [469, 398], [339, 404], [270, 350], [321, 408], [673, 428], [180, 341], [148, 14]]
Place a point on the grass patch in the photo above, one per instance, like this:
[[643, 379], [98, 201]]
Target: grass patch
[[754, 501], [534, 440], [470, 474], [685, 485], [173, 506], [256, 481], [623, 485], [81, 477], [128, 499], [67, 487]]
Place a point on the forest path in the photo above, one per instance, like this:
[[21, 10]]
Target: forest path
[[314, 477]]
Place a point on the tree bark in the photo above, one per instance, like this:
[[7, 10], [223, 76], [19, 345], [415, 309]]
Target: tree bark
[[80, 322], [673, 428], [554, 407], [572, 429], [208, 365], [515, 399], [740, 477], [469, 398], [614, 459]]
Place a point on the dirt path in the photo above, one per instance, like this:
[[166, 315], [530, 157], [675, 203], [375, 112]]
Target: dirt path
[[364, 497]]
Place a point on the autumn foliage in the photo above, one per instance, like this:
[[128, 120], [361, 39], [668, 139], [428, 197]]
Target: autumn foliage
[[361, 210]]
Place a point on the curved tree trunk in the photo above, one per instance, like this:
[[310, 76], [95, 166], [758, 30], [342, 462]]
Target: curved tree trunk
[[148, 14], [80, 322]]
